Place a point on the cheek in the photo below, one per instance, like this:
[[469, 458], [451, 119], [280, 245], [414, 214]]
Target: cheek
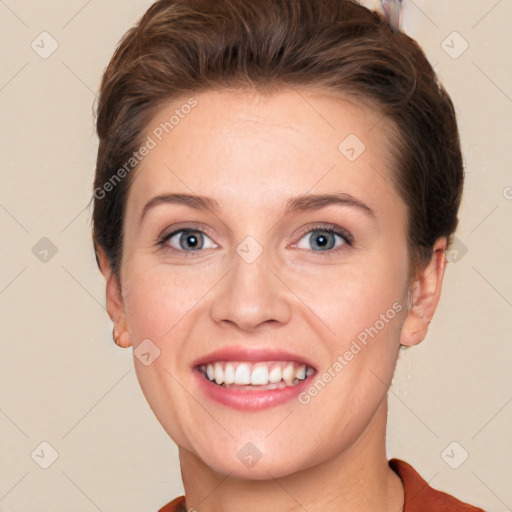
[[159, 296], [156, 307], [352, 297], [363, 306], [147, 306]]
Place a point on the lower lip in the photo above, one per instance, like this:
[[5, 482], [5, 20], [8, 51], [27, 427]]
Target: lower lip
[[253, 400]]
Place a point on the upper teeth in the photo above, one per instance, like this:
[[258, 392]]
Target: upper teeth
[[261, 373]]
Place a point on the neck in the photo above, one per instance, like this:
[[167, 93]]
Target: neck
[[359, 479]]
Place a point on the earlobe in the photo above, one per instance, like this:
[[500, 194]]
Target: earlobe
[[425, 293], [114, 301]]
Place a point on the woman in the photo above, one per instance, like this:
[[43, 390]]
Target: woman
[[277, 183]]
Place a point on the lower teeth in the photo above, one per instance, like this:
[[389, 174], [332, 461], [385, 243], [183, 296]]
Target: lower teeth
[[277, 385]]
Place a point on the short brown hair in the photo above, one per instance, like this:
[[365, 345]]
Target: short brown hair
[[180, 47]]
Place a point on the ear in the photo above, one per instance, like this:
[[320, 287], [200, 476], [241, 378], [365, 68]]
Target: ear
[[114, 300], [425, 292]]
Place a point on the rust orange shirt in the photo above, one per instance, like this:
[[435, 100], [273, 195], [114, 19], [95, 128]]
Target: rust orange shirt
[[419, 496]]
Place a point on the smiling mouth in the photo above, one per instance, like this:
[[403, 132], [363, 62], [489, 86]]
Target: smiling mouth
[[260, 375]]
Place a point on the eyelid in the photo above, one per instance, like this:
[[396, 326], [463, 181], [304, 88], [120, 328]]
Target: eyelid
[[188, 227], [332, 228]]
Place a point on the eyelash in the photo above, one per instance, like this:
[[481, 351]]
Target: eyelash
[[328, 228]]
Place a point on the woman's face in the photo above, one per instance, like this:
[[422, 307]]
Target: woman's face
[[324, 281]]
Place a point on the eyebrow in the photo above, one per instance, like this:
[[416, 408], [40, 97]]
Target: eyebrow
[[302, 203]]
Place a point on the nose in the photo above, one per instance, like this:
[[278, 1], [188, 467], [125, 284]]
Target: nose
[[251, 295]]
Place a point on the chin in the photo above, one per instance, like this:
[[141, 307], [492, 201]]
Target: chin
[[248, 462]]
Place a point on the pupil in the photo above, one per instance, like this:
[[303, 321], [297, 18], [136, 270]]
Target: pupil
[[193, 238], [322, 240]]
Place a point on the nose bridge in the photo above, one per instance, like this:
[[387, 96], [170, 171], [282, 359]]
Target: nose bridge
[[251, 294]]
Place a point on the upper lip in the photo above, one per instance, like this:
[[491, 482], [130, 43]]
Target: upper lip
[[251, 354]]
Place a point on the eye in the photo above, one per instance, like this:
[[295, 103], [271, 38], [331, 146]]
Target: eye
[[188, 240], [330, 239], [325, 239]]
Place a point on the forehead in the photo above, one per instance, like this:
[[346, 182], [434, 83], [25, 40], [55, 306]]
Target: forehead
[[248, 150]]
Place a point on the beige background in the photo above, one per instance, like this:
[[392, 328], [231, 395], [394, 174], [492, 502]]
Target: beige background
[[64, 382]]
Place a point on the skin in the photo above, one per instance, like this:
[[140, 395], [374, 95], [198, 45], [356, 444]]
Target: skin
[[251, 153]]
